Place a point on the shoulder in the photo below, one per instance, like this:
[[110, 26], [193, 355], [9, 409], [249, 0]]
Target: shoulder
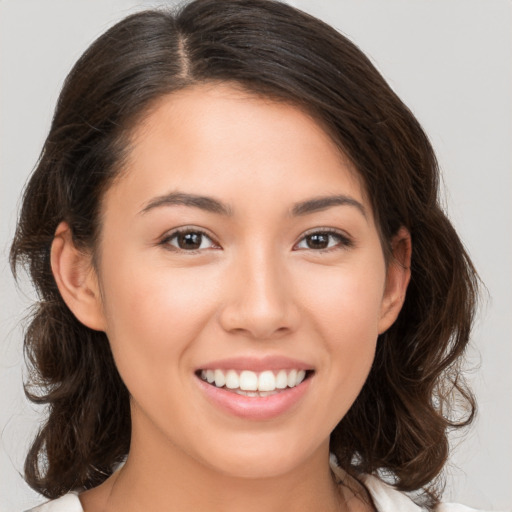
[[455, 507], [67, 503], [385, 498], [388, 499]]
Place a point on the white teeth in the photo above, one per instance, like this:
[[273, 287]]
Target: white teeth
[[220, 379], [250, 383], [292, 378], [232, 380], [266, 381], [281, 380], [255, 393]]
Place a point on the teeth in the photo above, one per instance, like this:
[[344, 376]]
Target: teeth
[[250, 383], [292, 378], [281, 380], [266, 381], [255, 393], [220, 378], [232, 380]]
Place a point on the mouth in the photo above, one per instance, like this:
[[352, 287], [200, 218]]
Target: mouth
[[254, 384]]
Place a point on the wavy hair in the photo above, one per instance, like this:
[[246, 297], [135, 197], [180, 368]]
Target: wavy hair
[[398, 425]]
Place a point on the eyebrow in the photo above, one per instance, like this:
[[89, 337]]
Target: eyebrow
[[206, 203], [212, 205], [319, 204]]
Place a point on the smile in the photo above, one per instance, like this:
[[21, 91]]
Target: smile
[[272, 387], [253, 384]]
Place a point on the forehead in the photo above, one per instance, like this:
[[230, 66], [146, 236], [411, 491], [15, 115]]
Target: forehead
[[222, 139]]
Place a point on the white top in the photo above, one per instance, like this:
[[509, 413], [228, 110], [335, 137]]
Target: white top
[[385, 497]]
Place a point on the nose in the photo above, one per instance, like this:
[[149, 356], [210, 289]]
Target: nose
[[260, 302]]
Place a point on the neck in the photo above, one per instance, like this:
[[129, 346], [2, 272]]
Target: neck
[[159, 476]]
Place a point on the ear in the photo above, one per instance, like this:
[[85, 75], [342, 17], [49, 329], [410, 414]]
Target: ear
[[76, 279], [397, 279]]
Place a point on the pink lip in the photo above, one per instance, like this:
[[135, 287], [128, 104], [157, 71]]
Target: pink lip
[[256, 364], [254, 408]]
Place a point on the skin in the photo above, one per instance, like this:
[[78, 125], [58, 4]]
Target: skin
[[255, 287]]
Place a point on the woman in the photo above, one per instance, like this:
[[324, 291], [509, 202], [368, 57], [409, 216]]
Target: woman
[[235, 231]]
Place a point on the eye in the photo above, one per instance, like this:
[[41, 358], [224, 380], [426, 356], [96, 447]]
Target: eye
[[324, 240], [189, 240]]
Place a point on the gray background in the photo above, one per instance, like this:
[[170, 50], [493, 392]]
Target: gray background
[[449, 60]]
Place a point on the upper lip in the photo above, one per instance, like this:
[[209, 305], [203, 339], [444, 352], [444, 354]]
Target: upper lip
[[256, 364]]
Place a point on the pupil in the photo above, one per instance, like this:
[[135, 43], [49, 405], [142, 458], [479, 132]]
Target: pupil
[[318, 241], [190, 240]]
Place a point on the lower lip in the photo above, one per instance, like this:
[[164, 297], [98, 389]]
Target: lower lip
[[258, 407]]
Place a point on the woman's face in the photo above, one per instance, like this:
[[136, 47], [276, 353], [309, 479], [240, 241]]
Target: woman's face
[[238, 245]]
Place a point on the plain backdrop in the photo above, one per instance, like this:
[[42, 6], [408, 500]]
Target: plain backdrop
[[449, 60]]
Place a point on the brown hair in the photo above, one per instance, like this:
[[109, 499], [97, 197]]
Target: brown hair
[[399, 422]]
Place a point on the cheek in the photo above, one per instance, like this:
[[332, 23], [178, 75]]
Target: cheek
[[344, 307], [350, 329], [346, 300], [154, 314]]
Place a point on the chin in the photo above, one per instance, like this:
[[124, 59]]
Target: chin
[[259, 460]]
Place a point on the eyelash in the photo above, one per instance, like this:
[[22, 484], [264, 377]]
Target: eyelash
[[184, 231], [343, 240]]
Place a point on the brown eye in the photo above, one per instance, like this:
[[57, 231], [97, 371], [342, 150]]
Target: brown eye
[[322, 240], [189, 240], [318, 241]]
